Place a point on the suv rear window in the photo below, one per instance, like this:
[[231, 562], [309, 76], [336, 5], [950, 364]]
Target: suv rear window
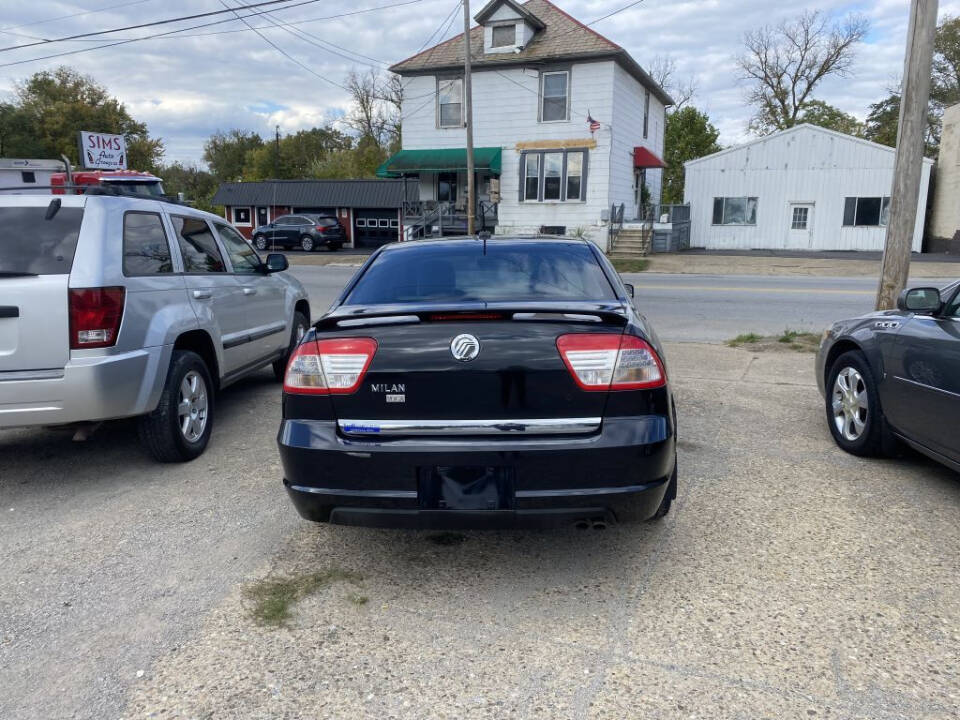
[[521, 272], [29, 243], [326, 221]]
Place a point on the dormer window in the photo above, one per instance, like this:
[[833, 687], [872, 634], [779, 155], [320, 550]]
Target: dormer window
[[503, 36]]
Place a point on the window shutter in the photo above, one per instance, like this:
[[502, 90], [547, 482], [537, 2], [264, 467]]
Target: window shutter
[[849, 211]]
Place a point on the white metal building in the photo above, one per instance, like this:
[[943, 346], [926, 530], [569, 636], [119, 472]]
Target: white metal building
[[805, 188]]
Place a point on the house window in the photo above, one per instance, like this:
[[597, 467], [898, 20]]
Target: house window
[[450, 102], [800, 218], [574, 176], [866, 211], [735, 211], [241, 215], [646, 113], [531, 182], [553, 176], [503, 36], [554, 96]]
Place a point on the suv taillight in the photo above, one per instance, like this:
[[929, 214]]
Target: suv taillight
[[604, 361], [329, 367], [321, 229], [95, 315]]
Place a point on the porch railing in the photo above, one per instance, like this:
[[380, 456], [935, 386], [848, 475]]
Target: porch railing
[[616, 222]]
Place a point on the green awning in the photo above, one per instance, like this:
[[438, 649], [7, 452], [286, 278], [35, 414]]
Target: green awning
[[407, 162]]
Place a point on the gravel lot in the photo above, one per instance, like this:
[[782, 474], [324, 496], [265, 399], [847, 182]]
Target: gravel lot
[[790, 581]]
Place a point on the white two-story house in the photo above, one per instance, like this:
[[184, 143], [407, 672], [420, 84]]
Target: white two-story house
[[566, 124]]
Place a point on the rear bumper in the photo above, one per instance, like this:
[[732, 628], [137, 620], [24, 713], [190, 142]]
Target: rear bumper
[[89, 388], [619, 473]]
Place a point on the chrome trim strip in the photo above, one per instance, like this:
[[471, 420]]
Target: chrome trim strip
[[926, 387], [369, 322], [557, 317], [8, 375], [582, 492], [400, 494], [538, 426]]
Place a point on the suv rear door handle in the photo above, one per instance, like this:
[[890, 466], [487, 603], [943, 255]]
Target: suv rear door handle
[[202, 294], [249, 291]]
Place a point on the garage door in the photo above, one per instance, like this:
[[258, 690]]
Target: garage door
[[373, 228]]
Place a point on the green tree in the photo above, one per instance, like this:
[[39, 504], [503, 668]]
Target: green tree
[[54, 106], [817, 112], [945, 72], [689, 134], [299, 153], [226, 152], [198, 186], [884, 116]]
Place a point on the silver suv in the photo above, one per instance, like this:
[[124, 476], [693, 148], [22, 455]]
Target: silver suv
[[115, 307]]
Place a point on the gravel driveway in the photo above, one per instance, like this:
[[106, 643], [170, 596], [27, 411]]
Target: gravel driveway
[[790, 581]]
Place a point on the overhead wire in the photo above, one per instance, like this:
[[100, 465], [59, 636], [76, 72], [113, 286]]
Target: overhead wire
[[6, 30]]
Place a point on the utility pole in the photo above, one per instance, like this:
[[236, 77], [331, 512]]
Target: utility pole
[[468, 110], [904, 196], [276, 155]]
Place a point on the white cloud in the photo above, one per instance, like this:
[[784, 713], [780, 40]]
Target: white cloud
[[188, 87]]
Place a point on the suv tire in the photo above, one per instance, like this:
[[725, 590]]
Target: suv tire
[[300, 326], [169, 435], [260, 242], [307, 243]]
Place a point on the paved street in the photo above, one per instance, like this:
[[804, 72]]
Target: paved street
[[703, 308]]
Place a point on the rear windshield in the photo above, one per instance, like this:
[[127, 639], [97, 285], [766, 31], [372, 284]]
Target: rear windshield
[[29, 243], [531, 271], [329, 222]]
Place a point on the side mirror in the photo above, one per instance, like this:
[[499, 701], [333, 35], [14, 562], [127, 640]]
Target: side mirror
[[630, 289], [276, 262], [923, 301]]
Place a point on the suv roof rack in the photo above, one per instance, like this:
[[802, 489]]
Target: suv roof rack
[[95, 190]]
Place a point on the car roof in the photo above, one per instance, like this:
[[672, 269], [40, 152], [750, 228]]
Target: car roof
[[124, 201], [472, 241]]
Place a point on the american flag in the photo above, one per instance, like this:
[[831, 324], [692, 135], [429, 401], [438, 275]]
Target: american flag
[[594, 125]]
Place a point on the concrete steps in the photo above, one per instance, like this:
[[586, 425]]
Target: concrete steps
[[632, 243]]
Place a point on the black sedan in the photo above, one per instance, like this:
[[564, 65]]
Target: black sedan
[[480, 383], [895, 376], [305, 232]]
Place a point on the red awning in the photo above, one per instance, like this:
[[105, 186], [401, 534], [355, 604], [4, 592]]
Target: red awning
[[643, 158]]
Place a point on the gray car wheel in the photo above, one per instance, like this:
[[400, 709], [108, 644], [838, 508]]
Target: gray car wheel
[[306, 243], [300, 326], [260, 242], [853, 410]]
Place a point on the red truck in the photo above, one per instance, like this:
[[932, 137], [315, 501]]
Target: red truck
[[125, 181]]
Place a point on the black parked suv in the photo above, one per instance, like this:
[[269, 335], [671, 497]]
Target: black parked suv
[[305, 231]]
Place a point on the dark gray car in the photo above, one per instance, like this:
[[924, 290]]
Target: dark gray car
[[304, 231], [895, 375]]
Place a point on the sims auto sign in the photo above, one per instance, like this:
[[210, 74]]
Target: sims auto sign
[[102, 151]]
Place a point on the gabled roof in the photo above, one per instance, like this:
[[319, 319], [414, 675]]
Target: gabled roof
[[802, 127], [491, 7], [317, 193], [563, 39]]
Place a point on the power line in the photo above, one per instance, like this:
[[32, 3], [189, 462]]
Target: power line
[[143, 25], [281, 50], [148, 37], [6, 30]]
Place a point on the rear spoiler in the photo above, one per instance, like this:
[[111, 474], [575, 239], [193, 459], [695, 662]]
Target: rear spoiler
[[377, 315]]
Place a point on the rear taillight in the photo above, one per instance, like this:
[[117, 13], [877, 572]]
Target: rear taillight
[[320, 228], [329, 367], [95, 315], [603, 361]]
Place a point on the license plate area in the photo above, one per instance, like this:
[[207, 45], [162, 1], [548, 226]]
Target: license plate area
[[465, 487]]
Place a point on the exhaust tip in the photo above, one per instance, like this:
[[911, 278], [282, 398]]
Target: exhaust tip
[[582, 524], [598, 524]]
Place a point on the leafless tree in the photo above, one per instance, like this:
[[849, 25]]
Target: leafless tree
[[786, 62], [663, 69], [366, 116], [391, 94]]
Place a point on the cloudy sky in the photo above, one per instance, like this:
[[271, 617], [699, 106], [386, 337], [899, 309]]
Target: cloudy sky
[[185, 85]]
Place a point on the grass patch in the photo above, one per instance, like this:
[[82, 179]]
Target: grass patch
[[744, 339], [795, 340], [273, 599], [358, 599], [630, 265]]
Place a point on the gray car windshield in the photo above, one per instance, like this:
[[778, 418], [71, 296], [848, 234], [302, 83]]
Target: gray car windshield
[[32, 244], [521, 272]]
